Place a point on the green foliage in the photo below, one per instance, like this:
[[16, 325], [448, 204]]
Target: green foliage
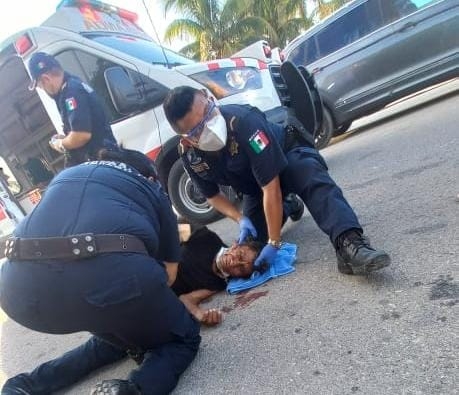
[[218, 29]]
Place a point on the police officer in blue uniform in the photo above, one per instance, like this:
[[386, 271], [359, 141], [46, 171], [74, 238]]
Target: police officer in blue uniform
[[86, 127], [98, 254], [235, 145]]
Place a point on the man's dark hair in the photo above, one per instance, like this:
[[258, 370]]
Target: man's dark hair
[[136, 159], [178, 102], [254, 245]]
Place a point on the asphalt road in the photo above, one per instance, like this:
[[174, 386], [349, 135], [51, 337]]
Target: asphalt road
[[317, 331]]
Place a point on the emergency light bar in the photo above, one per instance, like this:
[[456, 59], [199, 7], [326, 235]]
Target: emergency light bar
[[100, 6]]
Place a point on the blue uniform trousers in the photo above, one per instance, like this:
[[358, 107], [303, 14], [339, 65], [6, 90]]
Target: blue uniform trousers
[[124, 301], [307, 176], [158, 373]]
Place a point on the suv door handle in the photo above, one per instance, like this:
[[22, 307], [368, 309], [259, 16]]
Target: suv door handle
[[407, 26]]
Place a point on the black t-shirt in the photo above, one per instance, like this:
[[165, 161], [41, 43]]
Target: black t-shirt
[[195, 266]]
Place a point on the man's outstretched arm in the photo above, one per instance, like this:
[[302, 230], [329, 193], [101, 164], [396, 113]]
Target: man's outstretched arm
[[192, 300]]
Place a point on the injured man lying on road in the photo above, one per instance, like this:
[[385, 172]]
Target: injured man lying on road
[[206, 264]]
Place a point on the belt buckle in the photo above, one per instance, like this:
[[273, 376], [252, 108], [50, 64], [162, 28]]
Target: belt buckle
[[11, 247], [83, 246]]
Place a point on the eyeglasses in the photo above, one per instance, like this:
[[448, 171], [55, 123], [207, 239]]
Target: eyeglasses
[[195, 132]]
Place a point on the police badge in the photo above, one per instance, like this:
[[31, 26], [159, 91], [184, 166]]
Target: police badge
[[234, 147]]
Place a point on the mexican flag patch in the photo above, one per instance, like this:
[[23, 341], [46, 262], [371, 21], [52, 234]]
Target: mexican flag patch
[[259, 141], [70, 104]]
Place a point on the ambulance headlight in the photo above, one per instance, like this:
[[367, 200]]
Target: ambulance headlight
[[228, 81]]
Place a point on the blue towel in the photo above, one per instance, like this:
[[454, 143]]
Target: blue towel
[[282, 265]]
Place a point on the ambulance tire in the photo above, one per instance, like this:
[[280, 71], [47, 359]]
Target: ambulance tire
[[188, 201]]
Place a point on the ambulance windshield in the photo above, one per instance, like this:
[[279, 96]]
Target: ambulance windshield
[[147, 51]]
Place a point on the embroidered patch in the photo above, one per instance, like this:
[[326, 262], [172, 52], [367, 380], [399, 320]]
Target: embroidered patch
[[200, 167], [259, 141], [196, 162], [70, 104]]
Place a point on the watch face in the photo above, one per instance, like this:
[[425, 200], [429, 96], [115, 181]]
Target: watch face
[[275, 243]]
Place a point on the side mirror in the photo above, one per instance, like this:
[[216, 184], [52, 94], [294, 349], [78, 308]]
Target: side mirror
[[125, 96]]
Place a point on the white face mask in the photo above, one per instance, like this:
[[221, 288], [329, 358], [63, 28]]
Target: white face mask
[[214, 134]]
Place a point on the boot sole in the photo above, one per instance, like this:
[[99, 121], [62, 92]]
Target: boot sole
[[376, 264]]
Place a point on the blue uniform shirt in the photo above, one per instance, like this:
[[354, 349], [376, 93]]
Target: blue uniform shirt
[[81, 110], [106, 197], [251, 159]]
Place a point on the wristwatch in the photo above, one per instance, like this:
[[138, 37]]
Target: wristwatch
[[275, 243]]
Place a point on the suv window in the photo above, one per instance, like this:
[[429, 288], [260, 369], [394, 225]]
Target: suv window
[[91, 69], [306, 52], [397, 9], [394, 10], [355, 24]]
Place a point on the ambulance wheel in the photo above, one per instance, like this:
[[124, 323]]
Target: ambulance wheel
[[187, 199]]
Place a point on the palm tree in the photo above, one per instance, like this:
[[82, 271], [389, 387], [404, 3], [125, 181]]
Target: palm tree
[[218, 30], [286, 19], [325, 8]]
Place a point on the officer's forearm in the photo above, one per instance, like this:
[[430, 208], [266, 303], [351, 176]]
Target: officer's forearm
[[75, 140], [272, 204], [221, 203], [171, 269]]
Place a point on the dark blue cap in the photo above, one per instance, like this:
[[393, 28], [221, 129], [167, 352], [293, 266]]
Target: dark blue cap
[[39, 64]]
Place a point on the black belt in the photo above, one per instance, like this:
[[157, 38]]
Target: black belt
[[72, 247]]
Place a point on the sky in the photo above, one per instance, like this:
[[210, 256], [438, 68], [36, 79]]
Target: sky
[[17, 15]]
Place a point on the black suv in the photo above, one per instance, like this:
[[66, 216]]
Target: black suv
[[372, 52]]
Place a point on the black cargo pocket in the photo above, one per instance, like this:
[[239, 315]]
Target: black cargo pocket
[[117, 292]]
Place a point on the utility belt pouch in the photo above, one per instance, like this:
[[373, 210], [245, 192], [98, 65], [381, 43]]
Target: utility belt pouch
[[296, 136]]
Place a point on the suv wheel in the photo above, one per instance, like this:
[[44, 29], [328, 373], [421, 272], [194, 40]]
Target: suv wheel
[[342, 128], [187, 199], [325, 133]]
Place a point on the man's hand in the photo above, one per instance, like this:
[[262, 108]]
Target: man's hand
[[191, 301], [266, 257], [246, 228], [210, 317]]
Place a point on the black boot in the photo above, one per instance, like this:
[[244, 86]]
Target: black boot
[[295, 206], [17, 385], [356, 255], [115, 387]]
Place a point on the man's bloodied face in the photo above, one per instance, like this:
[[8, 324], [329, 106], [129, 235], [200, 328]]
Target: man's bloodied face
[[237, 261]]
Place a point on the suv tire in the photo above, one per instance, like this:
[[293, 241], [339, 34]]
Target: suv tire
[[325, 133]]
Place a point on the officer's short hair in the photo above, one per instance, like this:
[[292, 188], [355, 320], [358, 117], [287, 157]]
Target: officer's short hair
[[136, 159], [178, 102]]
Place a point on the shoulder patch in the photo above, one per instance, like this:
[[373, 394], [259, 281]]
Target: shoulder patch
[[258, 141], [71, 104]]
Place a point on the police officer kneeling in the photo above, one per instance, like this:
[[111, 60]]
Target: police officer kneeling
[[235, 145], [90, 258]]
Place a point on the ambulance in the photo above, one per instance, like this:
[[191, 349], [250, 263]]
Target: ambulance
[[106, 48]]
